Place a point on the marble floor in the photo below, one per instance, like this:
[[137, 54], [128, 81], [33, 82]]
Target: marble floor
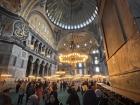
[[62, 96]]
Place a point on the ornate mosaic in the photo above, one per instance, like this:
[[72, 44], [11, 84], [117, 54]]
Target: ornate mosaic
[[21, 31]]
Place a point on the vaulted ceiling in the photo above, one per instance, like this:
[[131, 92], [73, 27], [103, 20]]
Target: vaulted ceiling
[[71, 14], [82, 41], [64, 17]]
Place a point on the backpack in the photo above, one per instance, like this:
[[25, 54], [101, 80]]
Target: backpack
[[52, 99]]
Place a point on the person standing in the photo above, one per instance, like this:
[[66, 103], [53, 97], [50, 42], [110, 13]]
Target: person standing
[[54, 96], [61, 86], [84, 88], [30, 90], [21, 92], [18, 86], [35, 98], [73, 98], [89, 98], [47, 95]]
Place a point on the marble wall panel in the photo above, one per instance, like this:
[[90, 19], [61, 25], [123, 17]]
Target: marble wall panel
[[127, 59], [124, 64], [112, 28], [5, 50], [126, 17], [18, 70], [128, 82], [113, 66]]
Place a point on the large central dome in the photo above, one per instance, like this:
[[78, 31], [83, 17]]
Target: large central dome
[[71, 14]]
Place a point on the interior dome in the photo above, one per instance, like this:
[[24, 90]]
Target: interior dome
[[71, 14]]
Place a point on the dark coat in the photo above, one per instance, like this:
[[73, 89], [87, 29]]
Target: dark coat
[[56, 99], [89, 98], [73, 99]]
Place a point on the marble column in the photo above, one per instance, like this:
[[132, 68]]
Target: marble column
[[75, 71], [37, 48], [32, 44], [46, 52], [49, 69], [85, 70]]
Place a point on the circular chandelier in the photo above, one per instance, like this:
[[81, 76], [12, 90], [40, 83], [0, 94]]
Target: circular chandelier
[[60, 72], [73, 58], [71, 14]]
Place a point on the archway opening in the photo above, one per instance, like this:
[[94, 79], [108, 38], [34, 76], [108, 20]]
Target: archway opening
[[41, 68], [29, 65], [36, 66]]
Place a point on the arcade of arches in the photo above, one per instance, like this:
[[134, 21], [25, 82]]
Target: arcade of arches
[[34, 33]]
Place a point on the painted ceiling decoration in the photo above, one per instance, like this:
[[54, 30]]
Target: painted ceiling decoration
[[60, 18], [41, 26], [21, 31], [82, 42], [71, 14]]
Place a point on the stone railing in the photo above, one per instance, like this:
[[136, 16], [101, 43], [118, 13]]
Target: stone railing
[[117, 96]]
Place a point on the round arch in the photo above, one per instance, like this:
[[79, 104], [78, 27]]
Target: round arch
[[39, 22], [36, 66], [41, 68], [79, 37], [29, 64]]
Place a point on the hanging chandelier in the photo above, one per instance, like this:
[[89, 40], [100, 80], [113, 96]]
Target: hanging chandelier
[[60, 73], [70, 6], [73, 58]]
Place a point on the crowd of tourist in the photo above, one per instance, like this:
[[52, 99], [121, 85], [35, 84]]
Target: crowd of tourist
[[35, 91]]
